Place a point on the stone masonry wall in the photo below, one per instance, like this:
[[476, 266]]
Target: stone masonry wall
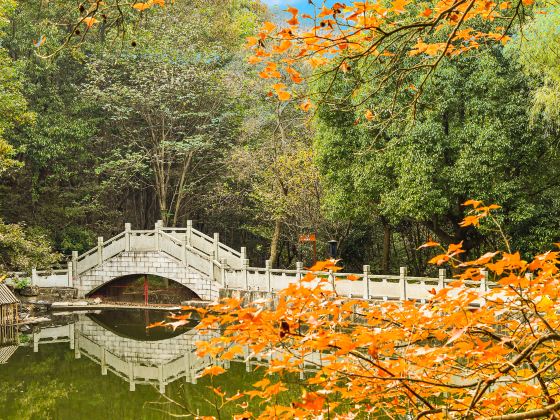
[[150, 262]]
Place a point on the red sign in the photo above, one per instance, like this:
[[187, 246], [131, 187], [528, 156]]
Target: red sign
[[310, 237]]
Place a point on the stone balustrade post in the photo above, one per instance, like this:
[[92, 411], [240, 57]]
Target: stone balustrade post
[[366, 281], [70, 276], [74, 265], [246, 273], [188, 234], [211, 274], [127, 229], [484, 281], [243, 253], [246, 354], [402, 283], [34, 276], [103, 362], [483, 286], [184, 253], [71, 329], [77, 351], [217, 245], [187, 363], [161, 387], [223, 264], [299, 269], [268, 267], [131, 383], [332, 280], [157, 236], [441, 278], [100, 250]]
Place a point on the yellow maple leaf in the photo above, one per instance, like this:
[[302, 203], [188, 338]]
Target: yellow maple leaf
[[90, 21], [141, 6]]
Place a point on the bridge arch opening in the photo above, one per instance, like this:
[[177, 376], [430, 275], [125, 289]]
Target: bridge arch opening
[[132, 323], [139, 288]]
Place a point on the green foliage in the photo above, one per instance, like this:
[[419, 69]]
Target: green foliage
[[470, 139], [170, 112], [538, 49], [13, 106], [21, 251], [22, 283]]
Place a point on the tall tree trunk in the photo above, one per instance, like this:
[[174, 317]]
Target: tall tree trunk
[[274, 248], [180, 192], [160, 184]]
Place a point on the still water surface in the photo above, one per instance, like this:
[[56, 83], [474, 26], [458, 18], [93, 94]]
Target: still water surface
[[106, 365]]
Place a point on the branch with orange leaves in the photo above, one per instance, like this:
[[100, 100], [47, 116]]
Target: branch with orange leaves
[[340, 37], [498, 357], [91, 13]]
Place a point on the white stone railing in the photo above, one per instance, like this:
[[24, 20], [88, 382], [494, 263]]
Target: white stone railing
[[188, 365], [365, 285], [44, 278], [186, 245], [230, 268]]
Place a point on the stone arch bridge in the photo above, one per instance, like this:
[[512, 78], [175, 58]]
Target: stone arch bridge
[[207, 267]]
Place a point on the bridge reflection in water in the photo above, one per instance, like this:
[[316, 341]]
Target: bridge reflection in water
[[155, 358]]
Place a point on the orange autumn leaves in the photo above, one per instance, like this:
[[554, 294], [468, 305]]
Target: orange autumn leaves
[[89, 20], [398, 358], [141, 6], [479, 211], [474, 351], [338, 35]]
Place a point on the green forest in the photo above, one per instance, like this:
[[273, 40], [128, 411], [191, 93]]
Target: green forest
[[159, 115]]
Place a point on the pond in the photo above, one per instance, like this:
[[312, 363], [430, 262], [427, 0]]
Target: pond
[[106, 365]]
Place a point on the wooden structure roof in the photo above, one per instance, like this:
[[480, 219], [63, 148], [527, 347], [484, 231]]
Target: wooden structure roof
[[6, 296], [9, 307]]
